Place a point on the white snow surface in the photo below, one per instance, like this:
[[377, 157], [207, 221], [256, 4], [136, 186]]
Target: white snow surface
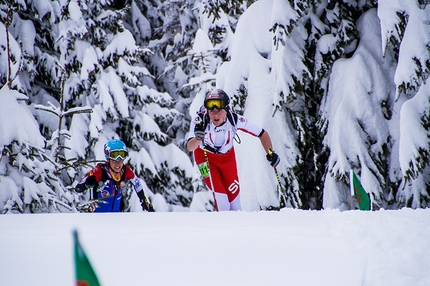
[[290, 247]]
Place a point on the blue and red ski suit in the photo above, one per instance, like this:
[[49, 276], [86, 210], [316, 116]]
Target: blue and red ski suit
[[113, 188]]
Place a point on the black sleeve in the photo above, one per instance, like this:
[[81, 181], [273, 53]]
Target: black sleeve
[[141, 196], [86, 183], [261, 133]]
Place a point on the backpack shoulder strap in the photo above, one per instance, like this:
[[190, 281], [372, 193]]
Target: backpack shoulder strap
[[232, 117], [105, 175], [125, 172]]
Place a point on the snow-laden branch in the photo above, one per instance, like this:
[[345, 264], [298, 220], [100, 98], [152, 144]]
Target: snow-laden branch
[[56, 110]]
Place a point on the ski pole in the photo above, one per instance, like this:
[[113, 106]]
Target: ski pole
[[92, 205], [207, 164], [282, 201], [210, 175], [208, 170]]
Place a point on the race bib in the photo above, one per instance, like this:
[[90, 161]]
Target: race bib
[[204, 169]]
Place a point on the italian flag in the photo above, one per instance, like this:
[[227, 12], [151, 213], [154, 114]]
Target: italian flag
[[84, 272], [359, 192]]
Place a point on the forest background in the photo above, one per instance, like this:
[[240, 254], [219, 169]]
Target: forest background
[[339, 85]]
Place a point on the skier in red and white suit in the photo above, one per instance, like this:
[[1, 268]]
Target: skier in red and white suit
[[212, 132]]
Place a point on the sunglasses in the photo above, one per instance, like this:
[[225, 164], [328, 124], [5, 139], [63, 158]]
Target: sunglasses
[[118, 155], [211, 104]]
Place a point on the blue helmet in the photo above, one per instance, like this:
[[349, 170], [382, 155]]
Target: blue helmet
[[115, 149]]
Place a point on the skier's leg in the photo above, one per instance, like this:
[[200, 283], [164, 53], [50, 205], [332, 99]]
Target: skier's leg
[[220, 193], [213, 180], [201, 162], [222, 203], [230, 179], [235, 204]]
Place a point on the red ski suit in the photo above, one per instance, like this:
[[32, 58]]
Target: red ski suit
[[223, 178]]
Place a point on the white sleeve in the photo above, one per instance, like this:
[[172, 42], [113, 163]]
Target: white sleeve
[[137, 184], [247, 126]]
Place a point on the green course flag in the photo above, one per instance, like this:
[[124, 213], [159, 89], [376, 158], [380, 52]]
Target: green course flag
[[85, 275], [358, 190]]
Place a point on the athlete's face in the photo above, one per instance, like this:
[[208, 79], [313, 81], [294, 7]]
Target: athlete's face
[[217, 116], [116, 165]]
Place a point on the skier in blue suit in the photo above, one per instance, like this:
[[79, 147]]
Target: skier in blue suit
[[114, 174]]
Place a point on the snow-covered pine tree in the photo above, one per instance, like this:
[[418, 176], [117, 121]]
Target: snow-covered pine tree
[[166, 29], [28, 178], [307, 38], [403, 23], [291, 97], [105, 70], [30, 181], [360, 105], [173, 25], [17, 65], [338, 39], [212, 44], [55, 144]]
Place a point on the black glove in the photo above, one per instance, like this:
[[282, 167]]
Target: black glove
[[146, 205], [273, 158], [144, 202], [89, 183], [199, 131]]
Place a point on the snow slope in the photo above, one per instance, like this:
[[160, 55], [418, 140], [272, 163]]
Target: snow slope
[[290, 247]]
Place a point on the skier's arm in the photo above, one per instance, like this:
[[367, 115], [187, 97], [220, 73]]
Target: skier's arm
[[197, 134], [271, 156], [87, 183], [265, 141], [90, 181], [144, 202], [192, 144]]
